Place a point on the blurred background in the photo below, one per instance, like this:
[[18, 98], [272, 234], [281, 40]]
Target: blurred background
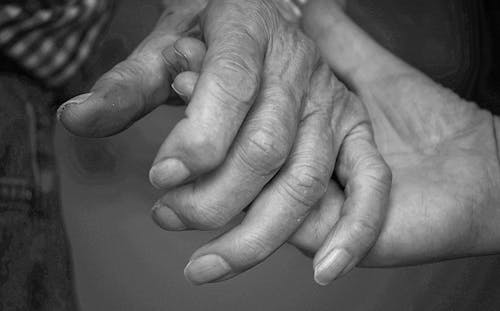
[[122, 261]]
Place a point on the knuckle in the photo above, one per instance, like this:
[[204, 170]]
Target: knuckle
[[280, 91], [379, 175], [304, 48], [307, 46], [124, 71], [265, 150], [306, 184], [205, 149], [384, 173], [340, 94], [237, 77], [349, 114], [296, 56]]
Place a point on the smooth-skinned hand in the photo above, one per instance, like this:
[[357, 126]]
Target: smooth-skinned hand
[[263, 128], [442, 150]]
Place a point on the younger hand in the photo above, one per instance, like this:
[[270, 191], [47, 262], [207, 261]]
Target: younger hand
[[442, 150]]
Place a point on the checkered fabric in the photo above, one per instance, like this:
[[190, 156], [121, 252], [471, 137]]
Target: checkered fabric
[[51, 39]]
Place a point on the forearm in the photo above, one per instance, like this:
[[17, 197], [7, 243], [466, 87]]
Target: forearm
[[34, 252]]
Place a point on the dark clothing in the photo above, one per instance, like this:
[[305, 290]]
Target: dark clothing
[[35, 268], [47, 41]]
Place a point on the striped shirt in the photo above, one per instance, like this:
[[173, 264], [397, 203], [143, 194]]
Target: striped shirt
[[51, 39]]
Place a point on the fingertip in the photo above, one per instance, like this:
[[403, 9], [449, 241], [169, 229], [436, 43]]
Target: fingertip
[[73, 101], [177, 89], [166, 218], [185, 83], [168, 173], [332, 266], [188, 152], [83, 116], [207, 269]]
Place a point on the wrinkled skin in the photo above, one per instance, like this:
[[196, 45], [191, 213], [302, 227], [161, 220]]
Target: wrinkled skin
[[265, 125], [442, 150]]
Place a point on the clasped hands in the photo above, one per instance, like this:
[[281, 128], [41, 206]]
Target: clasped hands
[[270, 130]]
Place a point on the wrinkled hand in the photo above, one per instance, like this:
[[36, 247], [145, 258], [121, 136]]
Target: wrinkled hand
[[263, 128], [332, 114], [442, 150]]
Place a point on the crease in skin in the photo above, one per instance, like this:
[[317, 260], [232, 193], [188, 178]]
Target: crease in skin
[[297, 219]]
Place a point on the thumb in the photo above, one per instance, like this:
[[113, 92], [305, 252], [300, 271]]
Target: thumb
[[139, 84]]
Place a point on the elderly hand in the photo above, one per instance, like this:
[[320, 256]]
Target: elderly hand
[[442, 150], [263, 128]]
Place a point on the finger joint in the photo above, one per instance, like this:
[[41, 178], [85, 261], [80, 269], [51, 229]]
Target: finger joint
[[306, 184], [264, 150]]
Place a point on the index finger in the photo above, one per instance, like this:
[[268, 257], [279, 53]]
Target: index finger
[[226, 90], [140, 83], [367, 181]]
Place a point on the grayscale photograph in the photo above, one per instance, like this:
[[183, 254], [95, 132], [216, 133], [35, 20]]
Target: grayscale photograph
[[247, 155]]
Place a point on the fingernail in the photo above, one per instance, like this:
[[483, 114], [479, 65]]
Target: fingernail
[[168, 173], [74, 101], [166, 218], [331, 266], [181, 95], [183, 57], [205, 269]]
